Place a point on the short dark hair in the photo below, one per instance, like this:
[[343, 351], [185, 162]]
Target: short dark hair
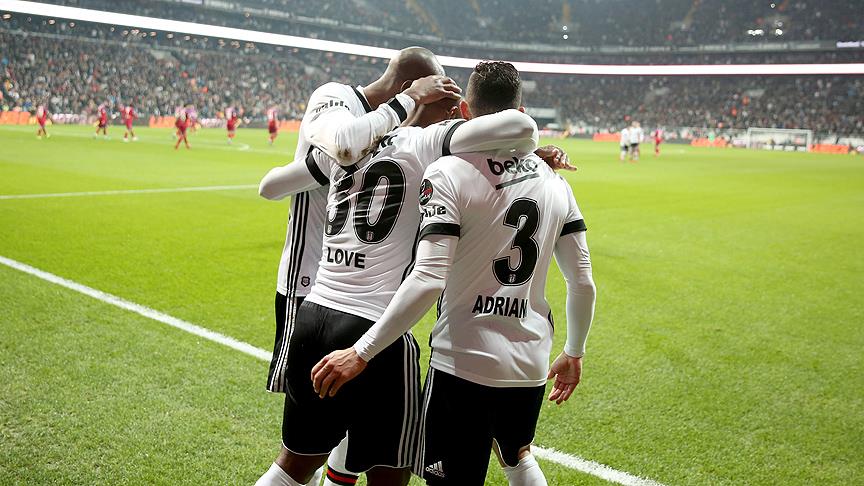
[[493, 86]]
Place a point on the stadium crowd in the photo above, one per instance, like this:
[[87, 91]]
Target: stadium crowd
[[584, 22], [826, 104], [73, 68]]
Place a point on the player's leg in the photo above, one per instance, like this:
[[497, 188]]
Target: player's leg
[[383, 431], [336, 473], [623, 153], [179, 139], [455, 431], [526, 472], [515, 420], [285, 315], [311, 427]]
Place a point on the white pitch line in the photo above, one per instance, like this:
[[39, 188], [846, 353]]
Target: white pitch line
[[602, 471], [129, 191], [138, 309], [568, 460]]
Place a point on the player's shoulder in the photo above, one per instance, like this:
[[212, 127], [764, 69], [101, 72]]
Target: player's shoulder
[[450, 167], [331, 87], [328, 91]]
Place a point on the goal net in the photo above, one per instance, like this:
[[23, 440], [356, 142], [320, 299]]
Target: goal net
[[787, 139]]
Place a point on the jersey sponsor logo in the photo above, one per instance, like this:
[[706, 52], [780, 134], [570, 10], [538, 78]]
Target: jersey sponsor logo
[[502, 306], [426, 191], [436, 469], [515, 166], [328, 105], [434, 210], [345, 257]]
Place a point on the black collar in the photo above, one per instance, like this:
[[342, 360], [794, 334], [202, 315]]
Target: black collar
[[362, 100]]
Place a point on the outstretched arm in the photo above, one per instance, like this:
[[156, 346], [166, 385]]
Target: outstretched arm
[[415, 296], [574, 260], [296, 177]]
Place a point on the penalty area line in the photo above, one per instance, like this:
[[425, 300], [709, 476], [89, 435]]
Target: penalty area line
[[235, 187], [567, 460]]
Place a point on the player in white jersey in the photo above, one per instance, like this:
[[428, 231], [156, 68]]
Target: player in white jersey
[[340, 121], [635, 135], [368, 247], [625, 143], [489, 229]]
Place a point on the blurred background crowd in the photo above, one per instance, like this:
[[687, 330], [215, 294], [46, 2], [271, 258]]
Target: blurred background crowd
[[72, 67]]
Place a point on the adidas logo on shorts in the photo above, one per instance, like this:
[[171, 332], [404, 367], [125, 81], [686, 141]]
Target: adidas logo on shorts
[[437, 469]]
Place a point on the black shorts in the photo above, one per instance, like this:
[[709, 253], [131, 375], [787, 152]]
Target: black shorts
[[380, 409], [460, 420], [284, 325], [634, 146]]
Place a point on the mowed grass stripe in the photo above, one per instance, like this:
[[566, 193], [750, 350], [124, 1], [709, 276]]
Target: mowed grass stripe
[[726, 345], [562, 458]]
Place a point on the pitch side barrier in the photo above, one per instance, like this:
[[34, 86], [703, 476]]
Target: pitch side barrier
[[192, 28]]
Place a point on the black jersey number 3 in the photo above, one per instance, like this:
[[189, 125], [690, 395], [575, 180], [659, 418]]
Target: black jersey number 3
[[523, 240], [366, 230]]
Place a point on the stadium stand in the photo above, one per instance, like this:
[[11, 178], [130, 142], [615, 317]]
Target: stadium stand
[[122, 65]]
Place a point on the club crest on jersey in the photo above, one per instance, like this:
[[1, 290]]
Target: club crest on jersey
[[305, 281], [425, 191]]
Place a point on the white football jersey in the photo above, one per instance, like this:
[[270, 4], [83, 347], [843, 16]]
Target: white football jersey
[[494, 325], [302, 249], [372, 219], [625, 137], [636, 134]]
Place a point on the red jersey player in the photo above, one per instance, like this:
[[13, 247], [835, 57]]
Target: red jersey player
[[182, 123], [658, 139], [129, 116], [103, 121], [41, 119], [272, 124], [232, 123]]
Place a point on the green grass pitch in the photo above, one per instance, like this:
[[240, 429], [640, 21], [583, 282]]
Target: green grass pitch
[[726, 348]]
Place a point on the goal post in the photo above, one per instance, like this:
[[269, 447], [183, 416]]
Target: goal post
[[786, 139]]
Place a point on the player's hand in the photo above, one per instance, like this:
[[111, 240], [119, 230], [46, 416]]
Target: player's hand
[[567, 371], [432, 88], [336, 369], [555, 157]]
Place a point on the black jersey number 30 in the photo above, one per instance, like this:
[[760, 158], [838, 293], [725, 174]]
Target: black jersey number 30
[[520, 209], [366, 230]]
